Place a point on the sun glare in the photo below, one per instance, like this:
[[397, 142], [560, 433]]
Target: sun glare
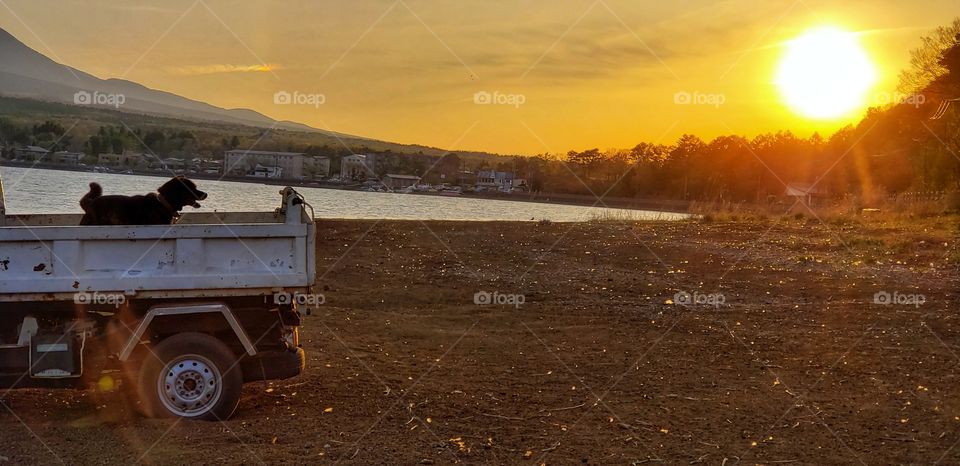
[[825, 74]]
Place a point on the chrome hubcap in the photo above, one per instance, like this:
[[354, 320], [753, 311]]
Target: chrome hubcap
[[189, 385]]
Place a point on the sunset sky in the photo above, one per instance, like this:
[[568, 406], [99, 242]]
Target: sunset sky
[[576, 74]]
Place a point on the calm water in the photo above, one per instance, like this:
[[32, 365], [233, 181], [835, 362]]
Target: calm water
[[33, 191]]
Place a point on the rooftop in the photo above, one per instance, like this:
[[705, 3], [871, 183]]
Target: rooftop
[[802, 189]]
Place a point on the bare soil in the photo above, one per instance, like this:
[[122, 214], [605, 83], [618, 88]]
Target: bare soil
[[599, 365]]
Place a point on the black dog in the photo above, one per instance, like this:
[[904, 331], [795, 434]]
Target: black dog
[[159, 208]]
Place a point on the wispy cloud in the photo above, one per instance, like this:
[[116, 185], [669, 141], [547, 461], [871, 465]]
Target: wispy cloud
[[218, 68], [140, 8]]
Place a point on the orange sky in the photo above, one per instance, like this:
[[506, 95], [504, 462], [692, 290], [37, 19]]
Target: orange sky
[[566, 74]]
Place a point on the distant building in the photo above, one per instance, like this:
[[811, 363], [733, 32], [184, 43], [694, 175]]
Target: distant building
[[466, 178], [174, 163], [292, 165], [124, 160], [66, 158], [803, 192], [502, 181], [261, 171], [209, 166], [110, 160], [316, 167], [33, 153], [394, 182], [202, 165], [356, 167]]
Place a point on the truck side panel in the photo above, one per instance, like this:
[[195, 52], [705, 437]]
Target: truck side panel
[[179, 257]]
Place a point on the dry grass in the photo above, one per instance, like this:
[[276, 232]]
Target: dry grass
[[845, 211], [621, 216]]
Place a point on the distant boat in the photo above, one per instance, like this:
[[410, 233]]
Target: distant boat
[[451, 191]]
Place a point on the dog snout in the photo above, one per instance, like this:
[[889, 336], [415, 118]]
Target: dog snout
[[201, 195]]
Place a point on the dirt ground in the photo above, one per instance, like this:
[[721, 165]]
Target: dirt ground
[[788, 360]]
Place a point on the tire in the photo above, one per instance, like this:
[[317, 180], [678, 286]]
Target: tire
[[190, 375], [274, 365]]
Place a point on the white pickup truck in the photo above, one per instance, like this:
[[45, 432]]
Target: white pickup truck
[[183, 314]]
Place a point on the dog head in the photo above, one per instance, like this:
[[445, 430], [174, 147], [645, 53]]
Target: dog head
[[180, 192]]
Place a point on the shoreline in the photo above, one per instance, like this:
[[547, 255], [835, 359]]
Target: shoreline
[[648, 205]]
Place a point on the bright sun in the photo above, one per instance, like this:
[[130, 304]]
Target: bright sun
[[825, 74]]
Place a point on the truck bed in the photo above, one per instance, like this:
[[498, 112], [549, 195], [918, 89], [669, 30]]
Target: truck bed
[[50, 257]]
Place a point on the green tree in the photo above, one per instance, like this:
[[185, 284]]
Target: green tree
[[155, 141]]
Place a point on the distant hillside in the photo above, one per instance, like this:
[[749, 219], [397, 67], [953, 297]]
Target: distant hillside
[[27, 76], [86, 121], [25, 72]]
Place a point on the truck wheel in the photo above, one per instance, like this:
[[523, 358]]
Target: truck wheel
[[190, 375]]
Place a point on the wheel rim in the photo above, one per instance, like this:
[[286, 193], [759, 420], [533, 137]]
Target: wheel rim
[[189, 385]]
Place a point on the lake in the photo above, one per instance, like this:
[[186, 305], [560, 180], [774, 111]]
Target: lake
[[39, 191]]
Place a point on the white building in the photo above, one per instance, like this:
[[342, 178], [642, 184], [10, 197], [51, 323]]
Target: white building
[[502, 181], [266, 172], [395, 182], [289, 165], [356, 167]]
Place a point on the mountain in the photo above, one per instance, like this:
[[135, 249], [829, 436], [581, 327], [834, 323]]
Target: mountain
[[27, 73]]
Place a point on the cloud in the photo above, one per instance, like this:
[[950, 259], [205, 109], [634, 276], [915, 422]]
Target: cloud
[[141, 8], [195, 70], [606, 44]]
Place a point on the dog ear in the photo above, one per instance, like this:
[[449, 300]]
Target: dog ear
[[171, 191], [186, 184]]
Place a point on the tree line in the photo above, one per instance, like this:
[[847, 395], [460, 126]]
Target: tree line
[[910, 145]]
